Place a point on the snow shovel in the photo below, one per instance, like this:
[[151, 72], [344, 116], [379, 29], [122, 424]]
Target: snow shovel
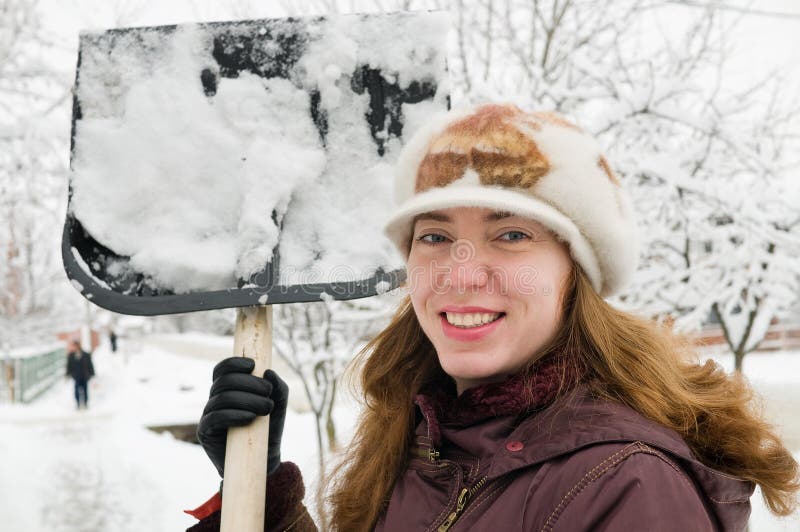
[[244, 164]]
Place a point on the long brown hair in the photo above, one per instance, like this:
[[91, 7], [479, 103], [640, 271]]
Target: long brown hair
[[628, 359]]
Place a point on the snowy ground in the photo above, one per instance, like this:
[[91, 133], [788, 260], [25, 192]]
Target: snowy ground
[[101, 470]]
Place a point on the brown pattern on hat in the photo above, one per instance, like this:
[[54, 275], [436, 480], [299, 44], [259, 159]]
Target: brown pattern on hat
[[603, 163], [492, 145]]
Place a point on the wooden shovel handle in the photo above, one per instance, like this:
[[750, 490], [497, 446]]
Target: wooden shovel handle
[[245, 483]]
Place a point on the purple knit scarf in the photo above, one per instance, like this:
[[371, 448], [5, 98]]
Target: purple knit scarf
[[529, 390]]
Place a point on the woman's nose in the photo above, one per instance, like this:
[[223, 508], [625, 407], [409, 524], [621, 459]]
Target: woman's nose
[[470, 267]]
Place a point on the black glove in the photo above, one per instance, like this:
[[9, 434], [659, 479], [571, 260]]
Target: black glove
[[236, 398]]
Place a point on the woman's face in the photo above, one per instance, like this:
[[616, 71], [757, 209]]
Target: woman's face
[[487, 288]]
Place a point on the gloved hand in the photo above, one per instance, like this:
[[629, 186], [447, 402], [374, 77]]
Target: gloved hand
[[236, 398]]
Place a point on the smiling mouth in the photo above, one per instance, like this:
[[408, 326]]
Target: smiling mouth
[[471, 320]]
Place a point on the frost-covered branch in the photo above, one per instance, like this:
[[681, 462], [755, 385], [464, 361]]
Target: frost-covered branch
[[317, 341]]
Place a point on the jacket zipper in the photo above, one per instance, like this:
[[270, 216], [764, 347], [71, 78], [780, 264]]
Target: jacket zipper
[[463, 497]]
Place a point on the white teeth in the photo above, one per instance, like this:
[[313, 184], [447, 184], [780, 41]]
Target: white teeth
[[466, 320]]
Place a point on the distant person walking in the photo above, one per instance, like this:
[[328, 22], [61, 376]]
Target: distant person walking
[[81, 369], [112, 337]]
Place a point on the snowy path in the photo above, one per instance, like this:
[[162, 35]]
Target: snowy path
[[85, 488], [101, 470]]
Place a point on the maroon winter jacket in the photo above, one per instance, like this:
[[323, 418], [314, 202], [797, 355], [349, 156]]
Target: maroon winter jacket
[[496, 460], [581, 464]]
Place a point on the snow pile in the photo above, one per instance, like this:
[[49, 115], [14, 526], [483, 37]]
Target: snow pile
[[189, 169]]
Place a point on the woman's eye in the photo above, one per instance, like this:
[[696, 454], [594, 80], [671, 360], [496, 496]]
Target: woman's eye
[[432, 238], [513, 235]]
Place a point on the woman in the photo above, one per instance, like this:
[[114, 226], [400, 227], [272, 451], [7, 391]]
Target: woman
[[506, 394]]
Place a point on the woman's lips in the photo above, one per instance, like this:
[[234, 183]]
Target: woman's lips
[[469, 334]]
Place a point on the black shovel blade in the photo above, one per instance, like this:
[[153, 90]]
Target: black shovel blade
[[244, 163]]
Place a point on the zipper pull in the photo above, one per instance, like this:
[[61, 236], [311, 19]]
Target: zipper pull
[[462, 501]]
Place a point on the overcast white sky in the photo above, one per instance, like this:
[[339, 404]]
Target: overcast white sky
[[770, 39]]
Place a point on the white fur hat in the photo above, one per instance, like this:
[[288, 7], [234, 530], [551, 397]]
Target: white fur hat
[[536, 165]]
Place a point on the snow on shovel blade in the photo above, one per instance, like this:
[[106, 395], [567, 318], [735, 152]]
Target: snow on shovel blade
[[241, 163]]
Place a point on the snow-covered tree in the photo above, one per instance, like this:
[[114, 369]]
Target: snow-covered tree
[[725, 240], [33, 159]]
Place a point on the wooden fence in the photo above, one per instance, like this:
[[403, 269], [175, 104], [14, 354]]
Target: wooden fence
[[779, 337]]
